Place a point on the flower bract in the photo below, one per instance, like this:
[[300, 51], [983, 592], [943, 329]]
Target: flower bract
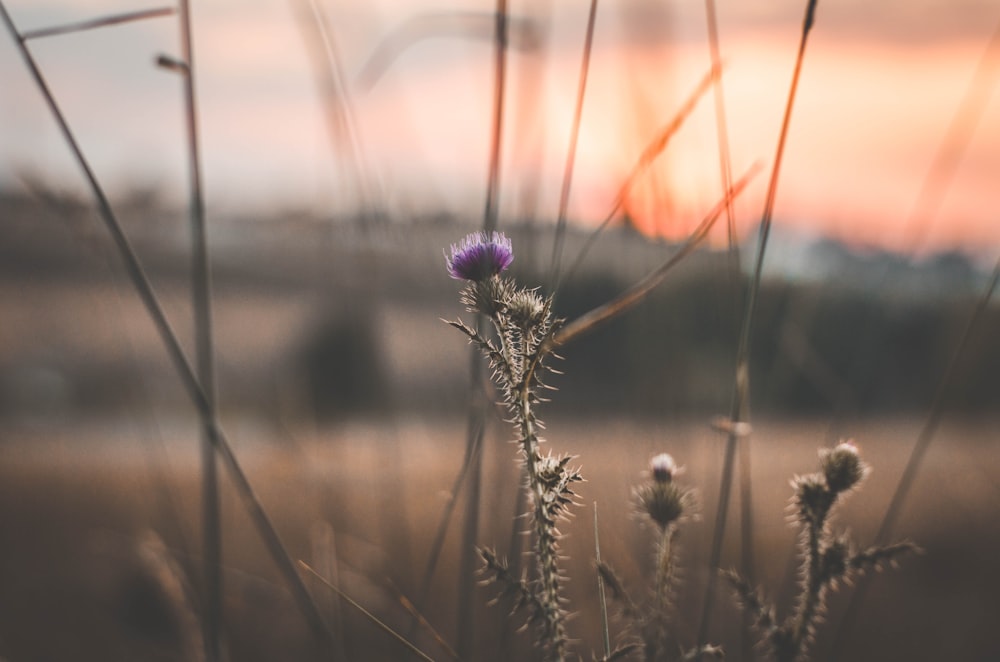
[[479, 257]]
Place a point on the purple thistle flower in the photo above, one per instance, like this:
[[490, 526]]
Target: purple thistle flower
[[478, 257]]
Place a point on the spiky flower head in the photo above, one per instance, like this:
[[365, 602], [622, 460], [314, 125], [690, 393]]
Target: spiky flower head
[[526, 308], [479, 257], [813, 498], [664, 503], [663, 468], [842, 466], [663, 500]]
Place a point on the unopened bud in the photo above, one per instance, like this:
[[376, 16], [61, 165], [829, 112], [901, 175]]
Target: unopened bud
[[842, 466], [663, 468]]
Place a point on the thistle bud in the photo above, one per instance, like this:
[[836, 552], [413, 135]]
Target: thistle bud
[[526, 308], [812, 497], [663, 500], [842, 466], [663, 468]]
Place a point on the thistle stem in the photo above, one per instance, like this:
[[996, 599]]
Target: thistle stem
[[546, 539], [811, 591], [664, 568]]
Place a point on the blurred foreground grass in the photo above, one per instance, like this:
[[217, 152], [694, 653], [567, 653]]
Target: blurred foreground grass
[[77, 508]]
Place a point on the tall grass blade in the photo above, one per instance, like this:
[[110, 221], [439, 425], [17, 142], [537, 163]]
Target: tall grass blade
[[104, 21], [467, 583], [932, 191], [370, 616], [175, 353], [442, 529], [915, 460], [201, 297], [956, 140], [726, 176], [649, 154], [641, 289], [342, 127], [601, 597], [574, 135], [473, 472], [521, 34], [741, 391], [722, 126], [425, 624]]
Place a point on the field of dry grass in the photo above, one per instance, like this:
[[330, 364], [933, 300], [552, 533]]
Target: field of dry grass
[[100, 535]]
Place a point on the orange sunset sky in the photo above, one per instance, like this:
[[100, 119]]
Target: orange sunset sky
[[880, 91]]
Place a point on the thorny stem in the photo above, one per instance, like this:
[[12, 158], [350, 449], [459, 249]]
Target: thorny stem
[[664, 567], [664, 572], [548, 574], [812, 590]]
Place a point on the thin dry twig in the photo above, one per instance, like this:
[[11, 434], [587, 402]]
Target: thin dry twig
[[101, 22]]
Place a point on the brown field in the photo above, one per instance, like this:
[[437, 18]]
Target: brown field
[[343, 394], [100, 535]]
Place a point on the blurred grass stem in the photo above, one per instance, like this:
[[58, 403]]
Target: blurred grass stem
[[201, 296], [101, 22], [175, 353], [915, 460], [633, 295], [601, 596], [740, 409], [649, 154], [477, 407], [574, 136], [370, 616], [726, 177]]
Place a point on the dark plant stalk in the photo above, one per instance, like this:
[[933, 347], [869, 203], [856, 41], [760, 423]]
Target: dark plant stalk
[[185, 372], [601, 594], [204, 354], [915, 460], [726, 176], [442, 529], [470, 534], [574, 136], [101, 22], [473, 472], [741, 391]]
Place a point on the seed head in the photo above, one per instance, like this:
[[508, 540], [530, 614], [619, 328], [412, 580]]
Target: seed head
[[478, 257]]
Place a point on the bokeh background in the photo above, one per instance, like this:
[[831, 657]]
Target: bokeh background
[[345, 145]]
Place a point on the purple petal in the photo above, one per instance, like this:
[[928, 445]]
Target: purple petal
[[478, 257]]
